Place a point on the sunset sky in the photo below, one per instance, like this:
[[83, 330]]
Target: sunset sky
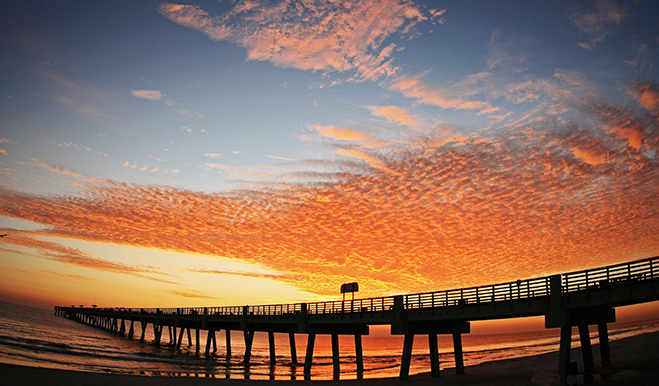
[[207, 153]]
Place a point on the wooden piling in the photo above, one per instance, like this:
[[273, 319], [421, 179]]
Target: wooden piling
[[359, 356], [434, 355], [564, 354], [587, 354], [308, 360], [336, 364], [180, 337], [271, 345], [605, 350], [407, 356], [228, 342], [457, 349], [291, 342], [210, 337], [249, 338]]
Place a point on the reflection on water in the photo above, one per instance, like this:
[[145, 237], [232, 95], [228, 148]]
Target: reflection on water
[[34, 337]]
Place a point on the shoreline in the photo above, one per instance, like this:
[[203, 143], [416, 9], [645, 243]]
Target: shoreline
[[634, 361]]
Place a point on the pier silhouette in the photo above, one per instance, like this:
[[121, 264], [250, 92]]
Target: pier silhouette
[[574, 299]]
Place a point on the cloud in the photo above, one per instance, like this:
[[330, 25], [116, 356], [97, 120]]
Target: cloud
[[82, 99], [647, 95], [70, 256], [318, 36], [193, 295], [395, 114], [281, 158], [587, 157], [340, 133], [193, 114], [508, 51], [414, 87], [213, 155], [406, 216], [153, 95], [239, 273], [217, 166], [598, 23]]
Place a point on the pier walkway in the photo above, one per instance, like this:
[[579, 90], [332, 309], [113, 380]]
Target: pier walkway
[[573, 299]]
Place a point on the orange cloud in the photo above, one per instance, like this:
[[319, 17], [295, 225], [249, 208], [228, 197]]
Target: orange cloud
[[587, 157], [395, 114], [318, 36], [647, 96], [414, 87], [419, 215], [67, 255], [340, 133], [153, 95]]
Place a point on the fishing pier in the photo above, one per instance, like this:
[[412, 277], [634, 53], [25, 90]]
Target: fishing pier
[[574, 299]]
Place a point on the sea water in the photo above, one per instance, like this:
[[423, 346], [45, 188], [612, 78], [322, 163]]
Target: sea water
[[38, 338]]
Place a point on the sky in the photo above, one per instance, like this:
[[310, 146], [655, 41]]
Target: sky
[[207, 153]]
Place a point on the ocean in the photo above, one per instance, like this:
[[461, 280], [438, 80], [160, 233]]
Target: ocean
[[38, 338]]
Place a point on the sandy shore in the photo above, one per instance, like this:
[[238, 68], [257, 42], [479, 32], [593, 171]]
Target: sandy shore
[[635, 361]]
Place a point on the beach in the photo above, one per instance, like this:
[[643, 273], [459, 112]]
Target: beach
[[634, 362]]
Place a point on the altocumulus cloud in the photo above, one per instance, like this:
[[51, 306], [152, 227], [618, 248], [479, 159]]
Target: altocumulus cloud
[[319, 36], [154, 95], [421, 213]]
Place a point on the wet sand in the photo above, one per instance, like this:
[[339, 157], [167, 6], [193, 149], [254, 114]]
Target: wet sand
[[635, 361]]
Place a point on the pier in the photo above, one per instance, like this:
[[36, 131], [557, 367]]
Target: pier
[[574, 299]]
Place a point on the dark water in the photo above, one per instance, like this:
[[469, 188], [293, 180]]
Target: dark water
[[35, 337]]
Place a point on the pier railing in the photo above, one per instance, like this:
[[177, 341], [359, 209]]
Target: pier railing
[[611, 276], [587, 280]]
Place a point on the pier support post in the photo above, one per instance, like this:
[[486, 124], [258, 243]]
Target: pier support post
[[291, 342], [249, 338], [157, 329], [210, 337], [197, 338], [359, 356], [434, 355], [131, 331], [407, 356], [336, 364], [228, 342], [308, 360], [457, 349], [142, 324], [180, 337], [564, 355], [581, 317], [157, 332], [587, 353], [271, 345], [605, 350]]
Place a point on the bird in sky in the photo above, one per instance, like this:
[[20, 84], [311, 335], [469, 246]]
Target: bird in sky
[[3, 235]]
